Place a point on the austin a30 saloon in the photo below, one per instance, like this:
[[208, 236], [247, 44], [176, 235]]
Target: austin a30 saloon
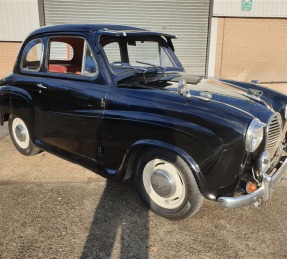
[[116, 100]]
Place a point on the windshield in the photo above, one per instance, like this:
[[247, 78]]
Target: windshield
[[138, 53]]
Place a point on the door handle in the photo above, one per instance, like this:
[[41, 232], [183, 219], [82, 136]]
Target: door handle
[[42, 86]]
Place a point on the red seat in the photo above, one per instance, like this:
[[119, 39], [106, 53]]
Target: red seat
[[74, 69], [57, 68]]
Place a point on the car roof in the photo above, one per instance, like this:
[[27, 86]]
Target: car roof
[[113, 28]]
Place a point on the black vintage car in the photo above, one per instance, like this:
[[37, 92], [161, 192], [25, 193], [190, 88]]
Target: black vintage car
[[115, 99]]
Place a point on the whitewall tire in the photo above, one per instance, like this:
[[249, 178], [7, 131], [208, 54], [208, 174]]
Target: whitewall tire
[[20, 136], [167, 185]]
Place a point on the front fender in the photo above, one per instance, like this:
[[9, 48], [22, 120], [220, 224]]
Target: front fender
[[160, 144]]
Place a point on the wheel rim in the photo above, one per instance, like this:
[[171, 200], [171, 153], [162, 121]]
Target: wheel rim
[[20, 133], [164, 184]]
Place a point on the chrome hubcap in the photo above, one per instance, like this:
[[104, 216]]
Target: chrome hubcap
[[162, 183], [20, 133]]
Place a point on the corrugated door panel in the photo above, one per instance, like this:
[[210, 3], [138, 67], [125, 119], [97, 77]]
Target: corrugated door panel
[[188, 19], [17, 19]]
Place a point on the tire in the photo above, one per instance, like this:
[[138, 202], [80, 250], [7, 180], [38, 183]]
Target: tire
[[166, 184], [20, 136]]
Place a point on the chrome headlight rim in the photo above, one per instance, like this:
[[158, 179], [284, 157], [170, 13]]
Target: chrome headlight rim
[[285, 112], [254, 135]]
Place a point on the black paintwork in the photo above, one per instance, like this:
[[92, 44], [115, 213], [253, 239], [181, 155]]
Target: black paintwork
[[104, 122]]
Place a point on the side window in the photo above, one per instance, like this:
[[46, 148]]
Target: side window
[[61, 51], [71, 55], [90, 67], [32, 55]]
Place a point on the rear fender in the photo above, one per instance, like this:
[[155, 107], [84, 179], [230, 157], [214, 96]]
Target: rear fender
[[21, 105], [5, 104]]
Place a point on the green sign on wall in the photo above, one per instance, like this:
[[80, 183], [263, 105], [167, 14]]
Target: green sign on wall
[[246, 5]]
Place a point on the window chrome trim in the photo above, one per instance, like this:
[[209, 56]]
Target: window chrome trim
[[73, 75], [84, 57], [22, 69], [86, 47]]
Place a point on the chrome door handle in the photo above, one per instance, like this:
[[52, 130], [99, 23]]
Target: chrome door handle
[[42, 86]]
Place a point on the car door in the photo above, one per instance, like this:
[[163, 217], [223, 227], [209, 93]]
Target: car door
[[71, 97]]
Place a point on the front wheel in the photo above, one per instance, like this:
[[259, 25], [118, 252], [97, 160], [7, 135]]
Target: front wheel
[[21, 137], [166, 184]]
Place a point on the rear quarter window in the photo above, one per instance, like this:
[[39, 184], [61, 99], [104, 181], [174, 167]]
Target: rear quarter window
[[32, 55]]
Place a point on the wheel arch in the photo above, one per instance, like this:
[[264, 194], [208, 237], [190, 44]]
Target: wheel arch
[[127, 167], [5, 104], [21, 105]]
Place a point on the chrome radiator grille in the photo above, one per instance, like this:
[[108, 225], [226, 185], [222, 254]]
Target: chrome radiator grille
[[273, 134]]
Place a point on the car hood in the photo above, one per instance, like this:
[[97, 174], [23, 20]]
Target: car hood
[[248, 100], [251, 99]]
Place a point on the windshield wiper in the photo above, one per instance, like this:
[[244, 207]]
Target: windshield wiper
[[123, 65], [135, 68], [152, 65]]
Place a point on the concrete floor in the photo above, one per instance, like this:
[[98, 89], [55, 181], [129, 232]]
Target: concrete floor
[[4, 131], [50, 208]]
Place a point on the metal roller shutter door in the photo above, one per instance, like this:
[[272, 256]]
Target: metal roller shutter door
[[188, 19]]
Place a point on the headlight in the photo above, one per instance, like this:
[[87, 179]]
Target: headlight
[[254, 135]]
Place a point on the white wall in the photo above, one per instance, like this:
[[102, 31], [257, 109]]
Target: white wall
[[212, 47], [260, 8], [18, 18]]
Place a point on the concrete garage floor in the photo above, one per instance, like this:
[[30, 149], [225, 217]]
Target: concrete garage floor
[[50, 208]]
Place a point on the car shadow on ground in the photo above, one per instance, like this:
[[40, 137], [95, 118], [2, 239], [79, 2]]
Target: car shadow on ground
[[120, 226]]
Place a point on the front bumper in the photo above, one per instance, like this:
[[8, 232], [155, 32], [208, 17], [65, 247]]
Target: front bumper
[[269, 184]]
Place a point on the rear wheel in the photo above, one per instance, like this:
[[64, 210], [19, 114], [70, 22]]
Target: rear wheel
[[166, 184], [21, 137]]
